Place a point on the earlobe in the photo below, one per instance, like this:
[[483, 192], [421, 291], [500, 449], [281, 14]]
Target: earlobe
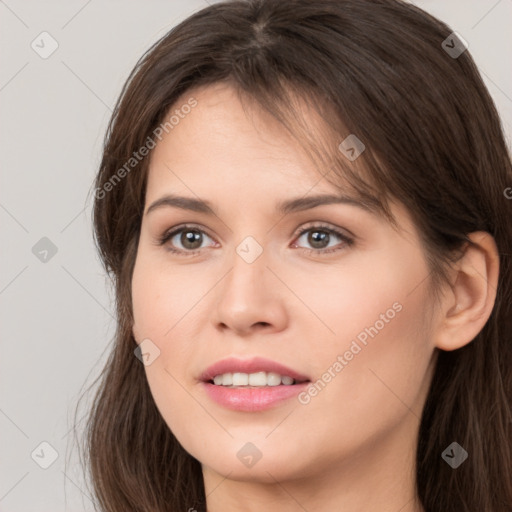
[[468, 305]]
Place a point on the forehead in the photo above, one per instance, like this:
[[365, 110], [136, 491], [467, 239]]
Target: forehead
[[228, 152], [222, 141]]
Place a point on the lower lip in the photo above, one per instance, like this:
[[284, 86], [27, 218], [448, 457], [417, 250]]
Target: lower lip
[[252, 399]]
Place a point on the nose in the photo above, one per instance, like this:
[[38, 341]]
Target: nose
[[250, 299]]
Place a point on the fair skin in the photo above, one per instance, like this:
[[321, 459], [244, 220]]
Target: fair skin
[[352, 447]]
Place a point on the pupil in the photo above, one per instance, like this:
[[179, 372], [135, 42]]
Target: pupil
[[316, 239], [190, 237]]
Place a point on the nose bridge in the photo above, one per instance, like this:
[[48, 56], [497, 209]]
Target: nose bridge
[[248, 267], [246, 297]]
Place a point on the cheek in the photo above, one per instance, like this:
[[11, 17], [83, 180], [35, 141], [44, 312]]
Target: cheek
[[166, 301], [161, 299], [352, 296], [162, 296], [380, 349], [380, 364]]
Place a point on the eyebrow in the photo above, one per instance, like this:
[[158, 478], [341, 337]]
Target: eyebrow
[[283, 207]]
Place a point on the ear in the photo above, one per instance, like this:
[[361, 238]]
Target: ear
[[469, 303]]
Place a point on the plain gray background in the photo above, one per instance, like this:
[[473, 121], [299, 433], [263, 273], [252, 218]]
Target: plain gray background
[[56, 315]]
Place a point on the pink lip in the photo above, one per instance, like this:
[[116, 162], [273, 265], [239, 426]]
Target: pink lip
[[254, 365], [251, 399]]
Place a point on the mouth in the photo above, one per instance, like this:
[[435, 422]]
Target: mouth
[[254, 380], [256, 372], [253, 385]]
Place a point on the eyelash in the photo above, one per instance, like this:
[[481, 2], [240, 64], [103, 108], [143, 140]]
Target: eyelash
[[168, 235]]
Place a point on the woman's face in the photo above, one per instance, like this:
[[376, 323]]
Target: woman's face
[[349, 316]]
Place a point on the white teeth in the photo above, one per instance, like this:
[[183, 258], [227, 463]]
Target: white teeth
[[239, 379], [258, 379], [273, 379], [287, 381]]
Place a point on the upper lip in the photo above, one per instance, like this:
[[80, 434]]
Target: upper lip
[[254, 365]]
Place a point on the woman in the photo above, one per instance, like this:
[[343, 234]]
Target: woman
[[303, 209]]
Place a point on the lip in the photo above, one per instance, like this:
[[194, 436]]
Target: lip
[[251, 399], [254, 365]]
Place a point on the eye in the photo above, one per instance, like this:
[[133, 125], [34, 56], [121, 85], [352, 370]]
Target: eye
[[190, 237], [320, 238]]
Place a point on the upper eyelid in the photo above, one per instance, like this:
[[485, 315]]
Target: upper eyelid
[[173, 231], [322, 225], [296, 231]]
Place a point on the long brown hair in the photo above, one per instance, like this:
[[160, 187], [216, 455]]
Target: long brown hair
[[433, 141]]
